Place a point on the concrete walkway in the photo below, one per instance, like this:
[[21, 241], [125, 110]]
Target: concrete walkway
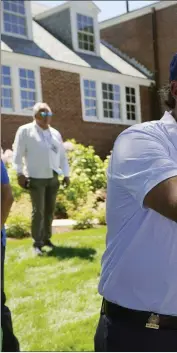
[[62, 225]]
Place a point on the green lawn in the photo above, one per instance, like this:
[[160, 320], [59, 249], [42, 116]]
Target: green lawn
[[54, 299]]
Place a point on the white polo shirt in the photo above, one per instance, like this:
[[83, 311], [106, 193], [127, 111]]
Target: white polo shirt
[[139, 266], [42, 151]]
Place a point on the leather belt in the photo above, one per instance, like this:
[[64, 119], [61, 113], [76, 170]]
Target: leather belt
[[139, 318]]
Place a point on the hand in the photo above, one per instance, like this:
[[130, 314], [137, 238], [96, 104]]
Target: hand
[[22, 180], [66, 181]]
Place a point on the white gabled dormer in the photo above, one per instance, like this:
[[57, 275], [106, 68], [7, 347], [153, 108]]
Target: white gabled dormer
[[84, 21], [16, 18], [76, 23]]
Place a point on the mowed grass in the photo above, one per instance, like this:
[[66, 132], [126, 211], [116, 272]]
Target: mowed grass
[[54, 299]]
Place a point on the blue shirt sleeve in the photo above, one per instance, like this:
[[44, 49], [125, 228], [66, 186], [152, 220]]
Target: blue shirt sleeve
[[4, 175], [140, 161]]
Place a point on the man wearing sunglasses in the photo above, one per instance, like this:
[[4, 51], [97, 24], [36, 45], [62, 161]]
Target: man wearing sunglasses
[[41, 148]]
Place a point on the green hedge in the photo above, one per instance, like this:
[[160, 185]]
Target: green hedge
[[88, 181]]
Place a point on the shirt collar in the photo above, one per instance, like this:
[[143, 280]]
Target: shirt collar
[[39, 128], [168, 118]]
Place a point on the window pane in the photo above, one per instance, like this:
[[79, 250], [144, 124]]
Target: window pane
[[85, 28], [105, 105], [23, 83], [93, 93], [133, 99], [22, 72], [6, 90], [105, 114], [31, 84], [5, 70], [6, 5], [14, 17], [131, 103], [86, 83], [90, 98], [27, 84], [24, 94], [127, 98], [105, 95], [6, 81]]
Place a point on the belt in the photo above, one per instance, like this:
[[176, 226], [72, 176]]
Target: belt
[[139, 318]]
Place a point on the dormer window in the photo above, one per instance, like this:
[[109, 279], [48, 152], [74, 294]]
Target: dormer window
[[76, 23], [85, 28], [16, 18]]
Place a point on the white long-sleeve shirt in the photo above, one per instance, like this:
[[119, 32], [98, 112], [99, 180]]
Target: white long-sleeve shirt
[[42, 151]]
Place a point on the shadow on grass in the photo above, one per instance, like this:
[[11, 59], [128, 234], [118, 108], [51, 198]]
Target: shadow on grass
[[64, 252]]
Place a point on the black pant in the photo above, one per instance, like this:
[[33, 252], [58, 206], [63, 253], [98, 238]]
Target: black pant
[[116, 336], [9, 342]]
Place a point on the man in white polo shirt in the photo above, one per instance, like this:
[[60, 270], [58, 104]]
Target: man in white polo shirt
[[42, 149], [139, 267]]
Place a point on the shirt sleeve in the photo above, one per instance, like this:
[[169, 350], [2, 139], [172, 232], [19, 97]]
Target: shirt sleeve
[[139, 162], [19, 151], [4, 175], [63, 162]]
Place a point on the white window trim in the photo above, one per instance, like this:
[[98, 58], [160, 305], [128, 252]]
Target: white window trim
[[100, 118], [16, 96], [73, 17], [28, 23]]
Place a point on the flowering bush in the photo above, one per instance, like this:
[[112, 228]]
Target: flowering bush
[[88, 181]]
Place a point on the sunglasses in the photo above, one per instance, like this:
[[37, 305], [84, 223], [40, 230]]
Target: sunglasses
[[46, 114]]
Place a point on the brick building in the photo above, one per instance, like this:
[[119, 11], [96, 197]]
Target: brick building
[[55, 55], [149, 35]]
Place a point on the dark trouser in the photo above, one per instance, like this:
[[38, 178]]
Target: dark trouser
[[113, 335], [43, 194], [9, 341]]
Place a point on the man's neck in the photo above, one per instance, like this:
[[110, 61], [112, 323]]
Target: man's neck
[[43, 127]]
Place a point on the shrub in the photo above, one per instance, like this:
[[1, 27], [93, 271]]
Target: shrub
[[63, 207], [85, 215], [22, 206], [88, 174], [84, 159], [84, 220], [101, 213], [18, 227], [16, 189]]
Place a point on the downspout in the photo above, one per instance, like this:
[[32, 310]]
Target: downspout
[[156, 98]]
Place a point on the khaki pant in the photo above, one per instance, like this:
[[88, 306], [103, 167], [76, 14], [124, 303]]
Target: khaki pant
[[43, 194]]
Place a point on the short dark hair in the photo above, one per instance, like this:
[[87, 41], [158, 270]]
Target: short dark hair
[[166, 95]]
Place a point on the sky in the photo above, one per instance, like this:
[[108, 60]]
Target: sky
[[108, 8]]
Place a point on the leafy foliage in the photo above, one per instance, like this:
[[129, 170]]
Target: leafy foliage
[[81, 200], [18, 227]]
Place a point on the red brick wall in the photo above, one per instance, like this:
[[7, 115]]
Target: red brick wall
[[134, 37], [61, 90], [9, 126]]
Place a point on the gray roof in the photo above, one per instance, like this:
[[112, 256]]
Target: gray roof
[[47, 44], [131, 61], [24, 46], [96, 62]]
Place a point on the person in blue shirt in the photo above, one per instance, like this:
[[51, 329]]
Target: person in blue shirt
[[9, 341], [139, 267]]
